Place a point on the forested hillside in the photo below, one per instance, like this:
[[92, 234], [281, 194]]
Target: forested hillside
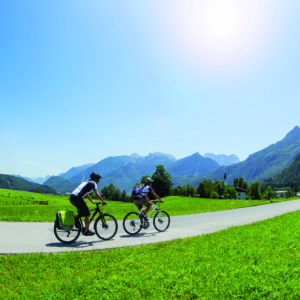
[[17, 183]]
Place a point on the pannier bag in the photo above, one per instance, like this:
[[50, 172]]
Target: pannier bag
[[65, 219]]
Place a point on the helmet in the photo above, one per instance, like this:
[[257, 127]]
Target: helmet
[[148, 180], [95, 176]]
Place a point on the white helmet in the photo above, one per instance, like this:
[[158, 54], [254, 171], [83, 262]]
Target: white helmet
[[148, 180]]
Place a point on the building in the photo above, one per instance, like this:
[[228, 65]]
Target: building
[[281, 194], [242, 194]]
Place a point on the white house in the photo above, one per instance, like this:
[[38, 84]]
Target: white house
[[242, 194]]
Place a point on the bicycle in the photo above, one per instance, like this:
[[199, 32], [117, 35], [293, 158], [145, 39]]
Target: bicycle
[[134, 222], [105, 227]]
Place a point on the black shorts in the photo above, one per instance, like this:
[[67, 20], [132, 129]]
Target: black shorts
[[82, 207]]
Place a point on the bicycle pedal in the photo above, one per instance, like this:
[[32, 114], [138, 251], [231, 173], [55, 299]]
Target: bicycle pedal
[[146, 225]]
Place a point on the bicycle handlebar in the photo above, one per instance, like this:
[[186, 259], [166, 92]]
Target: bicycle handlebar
[[156, 201]]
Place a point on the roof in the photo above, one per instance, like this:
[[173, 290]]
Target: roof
[[238, 189]]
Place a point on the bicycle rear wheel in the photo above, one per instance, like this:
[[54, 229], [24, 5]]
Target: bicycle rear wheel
[[161, 221], [132, 223], [106, 227], [67, 237]]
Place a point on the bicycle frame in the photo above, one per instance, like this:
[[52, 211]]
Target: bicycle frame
[[154, 209], [97, 210]]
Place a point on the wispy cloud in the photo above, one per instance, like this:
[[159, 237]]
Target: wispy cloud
[[27, 162]]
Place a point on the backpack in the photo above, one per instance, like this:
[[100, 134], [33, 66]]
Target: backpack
[[65, 219], [137, 190]]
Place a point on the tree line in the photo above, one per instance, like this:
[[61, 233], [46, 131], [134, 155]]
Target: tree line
[[217, 189]]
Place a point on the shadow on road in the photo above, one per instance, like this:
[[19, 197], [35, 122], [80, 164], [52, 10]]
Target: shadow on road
[[143, 234], [77, 244]]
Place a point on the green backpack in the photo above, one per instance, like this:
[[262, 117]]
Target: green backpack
[[65, 219]]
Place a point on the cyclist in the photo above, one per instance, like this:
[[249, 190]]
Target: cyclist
[[82, 191], [142, 198]]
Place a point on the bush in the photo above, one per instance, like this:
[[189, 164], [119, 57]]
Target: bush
[[214, 195]]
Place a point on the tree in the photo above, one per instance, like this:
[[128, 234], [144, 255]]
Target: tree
[[230, 192], [241, 182], [268, 193], [236, 182], [176, 191], [190, 190], [111, 189], [104, 193], [255, 191], [162, 183], [205, 188], [116, 195], [123, 197], [219, 187]]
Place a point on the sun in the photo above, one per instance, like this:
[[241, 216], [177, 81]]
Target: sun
[[221, 32]]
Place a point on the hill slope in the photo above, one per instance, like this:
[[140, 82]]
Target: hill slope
[[265, 163], [222, 159], [290, 176], [60, 184], [17, 183], [194, 165]]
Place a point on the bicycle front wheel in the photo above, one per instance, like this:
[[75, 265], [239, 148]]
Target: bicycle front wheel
[[161, 221], [106, 227], [132, 223], [67, 236]]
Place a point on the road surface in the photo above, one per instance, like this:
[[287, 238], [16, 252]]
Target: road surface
[[16, 237]]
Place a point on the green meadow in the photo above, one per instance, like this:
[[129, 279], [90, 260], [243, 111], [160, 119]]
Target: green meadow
[[34, 207], [257, 261]]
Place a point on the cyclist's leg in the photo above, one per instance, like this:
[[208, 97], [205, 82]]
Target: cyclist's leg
[[148, 205], [83, 209], [139, 204]]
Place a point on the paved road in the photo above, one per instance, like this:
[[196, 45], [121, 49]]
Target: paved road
[[18, 238]]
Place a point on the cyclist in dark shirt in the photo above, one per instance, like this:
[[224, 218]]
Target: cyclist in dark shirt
[[143, 199], [82, 191]]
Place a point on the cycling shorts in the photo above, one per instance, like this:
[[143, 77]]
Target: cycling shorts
[[82, 207]]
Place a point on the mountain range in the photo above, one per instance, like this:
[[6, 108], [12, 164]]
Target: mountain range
[[265, 163], [126, 170]]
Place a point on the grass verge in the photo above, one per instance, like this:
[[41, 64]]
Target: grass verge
[[33, 207], [258, 261]]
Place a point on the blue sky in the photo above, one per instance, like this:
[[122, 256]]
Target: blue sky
[[83, 80]]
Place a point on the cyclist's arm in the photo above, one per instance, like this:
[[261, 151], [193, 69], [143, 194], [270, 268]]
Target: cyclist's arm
[[89, 197], [148, 198], [99, 197], [156, 196]]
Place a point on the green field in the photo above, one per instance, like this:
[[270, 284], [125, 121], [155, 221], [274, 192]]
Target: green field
[[258, 261], [34, 207]]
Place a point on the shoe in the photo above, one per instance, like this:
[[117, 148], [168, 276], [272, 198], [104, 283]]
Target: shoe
[[145, 225], [88, 232]]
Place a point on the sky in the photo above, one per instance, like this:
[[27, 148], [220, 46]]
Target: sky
[[84, 80]]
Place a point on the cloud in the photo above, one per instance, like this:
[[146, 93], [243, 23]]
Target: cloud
[[27, 162]]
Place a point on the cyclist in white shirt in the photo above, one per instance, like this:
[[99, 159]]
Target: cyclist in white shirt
[[143, 199], [82, 191]]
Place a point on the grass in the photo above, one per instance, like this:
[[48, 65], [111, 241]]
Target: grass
[[258, 261], [26, 207]]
